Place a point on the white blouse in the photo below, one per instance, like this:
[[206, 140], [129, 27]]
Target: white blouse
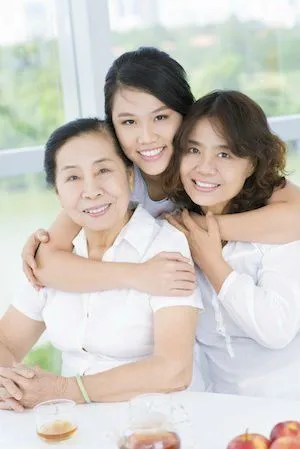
[[250, 332], [101, 330]]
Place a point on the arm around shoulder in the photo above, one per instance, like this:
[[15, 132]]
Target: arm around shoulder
[[277, 222]]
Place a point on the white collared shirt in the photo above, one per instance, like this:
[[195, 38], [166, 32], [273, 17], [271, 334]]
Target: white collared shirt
[[101, 330], [140, 195], [257, 315]]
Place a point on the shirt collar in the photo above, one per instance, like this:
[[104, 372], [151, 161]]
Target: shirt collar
[[138, 232]]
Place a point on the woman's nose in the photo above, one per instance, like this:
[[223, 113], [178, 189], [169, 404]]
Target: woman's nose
[[92, 190], [206, 167], [146, 135]]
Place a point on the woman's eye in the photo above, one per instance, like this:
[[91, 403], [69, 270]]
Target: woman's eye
[[193, 150], [72, 178], [224, 155], [161, 117], [102, 171], [128, 122]]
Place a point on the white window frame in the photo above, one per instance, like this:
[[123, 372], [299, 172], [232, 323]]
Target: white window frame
[[85, 56]]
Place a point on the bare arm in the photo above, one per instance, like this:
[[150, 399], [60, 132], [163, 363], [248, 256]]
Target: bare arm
[[278, 222], [58, 268], [168, 369], [18, 334]]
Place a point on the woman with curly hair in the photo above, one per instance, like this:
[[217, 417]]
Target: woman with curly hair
[[228, 161]]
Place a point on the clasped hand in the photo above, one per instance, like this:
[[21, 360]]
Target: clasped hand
[[205, 244], [24, 387]]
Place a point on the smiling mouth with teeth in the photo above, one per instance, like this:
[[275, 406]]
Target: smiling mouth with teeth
[[97, 211], [205, 186], [151, 155]]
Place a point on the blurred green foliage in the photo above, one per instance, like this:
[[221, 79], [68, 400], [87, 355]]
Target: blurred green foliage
[[46, 357], [261, 61]]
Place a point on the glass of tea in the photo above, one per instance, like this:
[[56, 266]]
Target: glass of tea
[[153, 423], [55, 420]]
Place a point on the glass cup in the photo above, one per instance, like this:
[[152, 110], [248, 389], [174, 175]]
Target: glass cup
[[153, 423], [55, 420]]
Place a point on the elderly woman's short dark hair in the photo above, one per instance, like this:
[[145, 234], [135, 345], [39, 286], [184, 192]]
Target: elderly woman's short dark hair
[[71, 130]]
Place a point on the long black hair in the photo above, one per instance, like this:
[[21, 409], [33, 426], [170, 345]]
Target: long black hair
[[153, 71]]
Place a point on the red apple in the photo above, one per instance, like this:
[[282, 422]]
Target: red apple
[[249, 441], [285, 429], [286, 443]]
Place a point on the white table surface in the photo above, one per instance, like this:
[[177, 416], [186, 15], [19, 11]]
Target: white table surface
[[215, 419]]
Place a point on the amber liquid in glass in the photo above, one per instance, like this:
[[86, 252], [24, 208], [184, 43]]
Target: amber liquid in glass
[[151, 440], [57, 431]]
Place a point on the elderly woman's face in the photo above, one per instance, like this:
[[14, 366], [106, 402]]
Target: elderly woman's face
[[92, 181]]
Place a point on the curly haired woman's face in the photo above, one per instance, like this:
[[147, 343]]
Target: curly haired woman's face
[[211, 174]]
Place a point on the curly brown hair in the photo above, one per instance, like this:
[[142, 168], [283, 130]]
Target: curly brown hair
[[243, 124]]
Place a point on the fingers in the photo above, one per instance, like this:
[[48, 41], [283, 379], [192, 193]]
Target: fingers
[[41, 236], [187, 220], [174, 256], [10, 390], [11, 404], [212, 224], [27, 269], [183, 288], [23, 370], [176, 223], [184, 270], [4, 394], [8, 373], [28, 258], [29, 251]]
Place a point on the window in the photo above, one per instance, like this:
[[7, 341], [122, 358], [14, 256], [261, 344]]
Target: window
[[30, 86], [31, 107], [293, 163], [248, 46]]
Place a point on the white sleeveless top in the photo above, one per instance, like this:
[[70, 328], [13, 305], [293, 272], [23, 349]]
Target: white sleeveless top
[[140, 195]]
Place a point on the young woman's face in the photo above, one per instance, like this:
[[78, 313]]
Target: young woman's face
[[211, 174], [145, 128], [92, 182]]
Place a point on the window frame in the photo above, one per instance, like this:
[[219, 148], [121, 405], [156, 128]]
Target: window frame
[[83, 66]]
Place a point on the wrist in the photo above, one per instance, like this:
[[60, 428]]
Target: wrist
[[70, 390], [216, 262], [209, 264], [128, 276], [217, 273], [136, 277]]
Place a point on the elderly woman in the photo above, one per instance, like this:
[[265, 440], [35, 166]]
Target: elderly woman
[[118, 343]]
